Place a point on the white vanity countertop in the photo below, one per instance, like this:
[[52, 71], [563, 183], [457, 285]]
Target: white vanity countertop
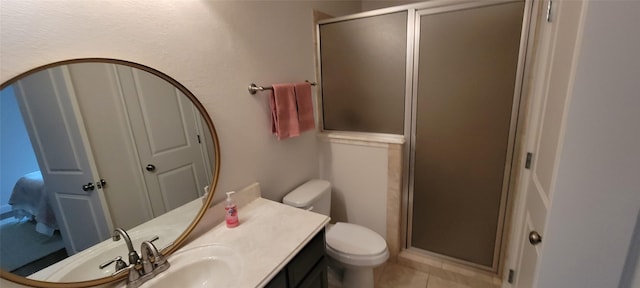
[[269, 235]]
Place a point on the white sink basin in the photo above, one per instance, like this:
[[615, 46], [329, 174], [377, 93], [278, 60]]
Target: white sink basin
[[85, 264], [202, 266]]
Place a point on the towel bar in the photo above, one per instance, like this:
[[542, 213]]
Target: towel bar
[[253, 88]]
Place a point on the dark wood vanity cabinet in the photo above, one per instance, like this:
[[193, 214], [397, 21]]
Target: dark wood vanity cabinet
[[308, 269]]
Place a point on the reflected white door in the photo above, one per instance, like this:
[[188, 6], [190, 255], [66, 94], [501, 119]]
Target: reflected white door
[[164, 121], [49, 108], [551, 79], [101, 102]]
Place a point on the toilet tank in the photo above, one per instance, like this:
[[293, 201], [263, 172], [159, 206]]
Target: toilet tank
[[314, 195]]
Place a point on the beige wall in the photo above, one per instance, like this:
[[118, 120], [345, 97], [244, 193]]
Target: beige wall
[[214, 48], [358, 175]]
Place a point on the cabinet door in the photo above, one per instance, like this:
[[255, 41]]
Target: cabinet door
[[317, 278], [280, 281], [307, 269], [302, 265]]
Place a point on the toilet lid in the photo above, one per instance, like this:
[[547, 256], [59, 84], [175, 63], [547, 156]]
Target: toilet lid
[[355, 239]]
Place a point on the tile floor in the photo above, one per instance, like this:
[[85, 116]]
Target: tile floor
[[398, 276], [393, 275]]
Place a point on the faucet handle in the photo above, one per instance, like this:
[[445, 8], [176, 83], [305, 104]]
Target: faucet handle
[[120, 264]]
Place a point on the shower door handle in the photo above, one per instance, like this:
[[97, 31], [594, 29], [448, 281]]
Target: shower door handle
[[534, 238]]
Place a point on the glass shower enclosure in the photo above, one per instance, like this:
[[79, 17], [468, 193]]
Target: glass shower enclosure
[[446, 75]]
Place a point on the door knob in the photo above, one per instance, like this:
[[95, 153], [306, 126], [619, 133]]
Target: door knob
[[151, 167], [101, 183], [88, 187], [534, 238]]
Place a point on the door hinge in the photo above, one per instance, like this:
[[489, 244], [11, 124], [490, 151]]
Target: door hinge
[[511, 275], [527, 163], [549, 10]]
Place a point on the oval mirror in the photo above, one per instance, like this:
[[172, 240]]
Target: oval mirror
[[91, 145]]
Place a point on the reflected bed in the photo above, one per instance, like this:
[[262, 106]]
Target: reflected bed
[[29, 200]]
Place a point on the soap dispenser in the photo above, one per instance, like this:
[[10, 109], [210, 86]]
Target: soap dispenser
[[231, 212]]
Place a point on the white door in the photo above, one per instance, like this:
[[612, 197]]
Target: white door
[[101, 102], [552, 76], [49, 107], [169, 146]]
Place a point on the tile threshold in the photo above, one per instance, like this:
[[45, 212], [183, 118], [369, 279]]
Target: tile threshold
[[452, 272]]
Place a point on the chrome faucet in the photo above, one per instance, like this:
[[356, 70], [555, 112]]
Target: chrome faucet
[[118, 233], [153, 262], [156, 262], [140, 269]]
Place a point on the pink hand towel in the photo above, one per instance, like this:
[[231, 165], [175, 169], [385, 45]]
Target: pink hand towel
[[284, 111], [305, 106]]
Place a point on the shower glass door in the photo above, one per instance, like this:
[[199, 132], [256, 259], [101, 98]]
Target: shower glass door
[[465, 79]]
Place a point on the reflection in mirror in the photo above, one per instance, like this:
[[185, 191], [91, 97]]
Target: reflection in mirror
[[87, 147]]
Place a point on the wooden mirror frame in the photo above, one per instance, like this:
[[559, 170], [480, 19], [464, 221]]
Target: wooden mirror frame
[[181, 239]]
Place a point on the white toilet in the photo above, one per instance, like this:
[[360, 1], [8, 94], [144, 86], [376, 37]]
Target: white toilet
[[355, 248]]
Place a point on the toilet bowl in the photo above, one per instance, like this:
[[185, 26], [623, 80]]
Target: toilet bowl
[[355, 245], [354, 248], [358, 250]]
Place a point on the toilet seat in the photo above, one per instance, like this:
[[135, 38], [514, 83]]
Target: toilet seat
[[356, 245]]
